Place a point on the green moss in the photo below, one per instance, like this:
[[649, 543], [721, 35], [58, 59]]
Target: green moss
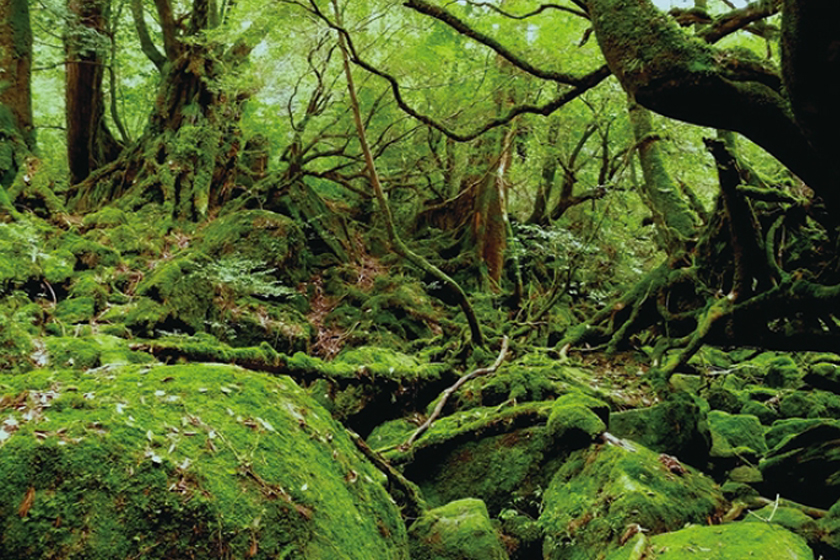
[[764, 413], [736, 435], [75, 310], [265, 237], [186, 295], [391, 433], [602, 490], [185, 461], [781, 430], [459, 530], [89, 352], [676, 426], [107, 217], [735, 541]]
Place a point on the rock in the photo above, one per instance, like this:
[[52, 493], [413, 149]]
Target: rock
[[824, 376], [574, 425], [792, 519], [503, 457], [601, 492], [736, 435], [804, 466], [184, 462], [460, 530], [676, 427], [764, 413], [781, 430], [735, 541]]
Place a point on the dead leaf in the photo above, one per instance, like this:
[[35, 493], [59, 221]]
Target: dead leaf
[[23, 510]]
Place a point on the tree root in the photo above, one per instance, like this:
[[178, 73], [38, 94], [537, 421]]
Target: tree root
[[457, 385]]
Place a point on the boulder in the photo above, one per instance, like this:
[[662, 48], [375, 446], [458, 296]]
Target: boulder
[[460, 530], [735, 541], [604, 491], [189, 461], [804, 466]]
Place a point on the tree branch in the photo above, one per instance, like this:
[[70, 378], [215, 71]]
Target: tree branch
[[463, 28]]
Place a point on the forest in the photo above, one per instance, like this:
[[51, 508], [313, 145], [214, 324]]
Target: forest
[[419, 279]]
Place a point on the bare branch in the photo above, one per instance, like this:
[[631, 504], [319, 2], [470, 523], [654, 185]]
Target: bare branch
[[532, 13]]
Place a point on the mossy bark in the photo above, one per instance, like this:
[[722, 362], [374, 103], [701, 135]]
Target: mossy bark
[[17, 137], [673, 218], [676, 75]]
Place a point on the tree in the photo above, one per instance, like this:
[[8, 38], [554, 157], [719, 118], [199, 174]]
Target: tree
[[188, 157], [17, 135], [90, 143]]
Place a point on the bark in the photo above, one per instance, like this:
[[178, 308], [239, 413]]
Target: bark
[[17, 138], [90, 144]]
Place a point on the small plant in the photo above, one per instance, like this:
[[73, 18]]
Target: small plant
[[246, 276]]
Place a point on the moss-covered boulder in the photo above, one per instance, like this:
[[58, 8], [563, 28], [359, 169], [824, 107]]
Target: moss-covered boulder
[[192, 461], [264, 237], [804, 467], [736, 541], [736, 435], [603, 491], [460, 530], [577, 419], [676, 426], [503, 457]]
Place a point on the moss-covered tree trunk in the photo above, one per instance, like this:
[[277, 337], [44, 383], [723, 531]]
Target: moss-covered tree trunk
[[188, 157], [17, 137], [90, 143], [681, 77], [672, 216]]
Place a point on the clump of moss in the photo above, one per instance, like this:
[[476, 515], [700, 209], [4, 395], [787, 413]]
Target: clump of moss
[[676, 426], [199, 461], [577, 419], [460, 530], [601, 491]]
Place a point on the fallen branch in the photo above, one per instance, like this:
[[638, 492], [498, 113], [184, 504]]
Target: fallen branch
[[414, 504], [457, 385]]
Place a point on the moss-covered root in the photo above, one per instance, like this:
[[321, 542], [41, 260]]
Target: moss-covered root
[[735, 541]]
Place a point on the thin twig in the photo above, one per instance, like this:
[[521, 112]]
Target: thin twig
[[448, 392]]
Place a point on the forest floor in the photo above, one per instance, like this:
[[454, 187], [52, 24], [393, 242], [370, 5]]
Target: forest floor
[[231, 391]]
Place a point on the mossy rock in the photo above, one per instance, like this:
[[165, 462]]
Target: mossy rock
[[499, 456], [687, 383], [460, 530], [792, 519], [193, 461], [776, 370], [273, 240], [723, 399], [186, 294], [824, 375], [577, 419], [676, 426], [90, 352], [810, 404], [804, 467], [764, 413], [782, 430], [829, 527], [736, 435], [21, 254], [735, 541], [75, 310], [601, 491]]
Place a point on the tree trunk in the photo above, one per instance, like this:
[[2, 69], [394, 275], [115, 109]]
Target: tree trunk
[[189, 155], [674, 220], [90, 144], [17, 137]]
